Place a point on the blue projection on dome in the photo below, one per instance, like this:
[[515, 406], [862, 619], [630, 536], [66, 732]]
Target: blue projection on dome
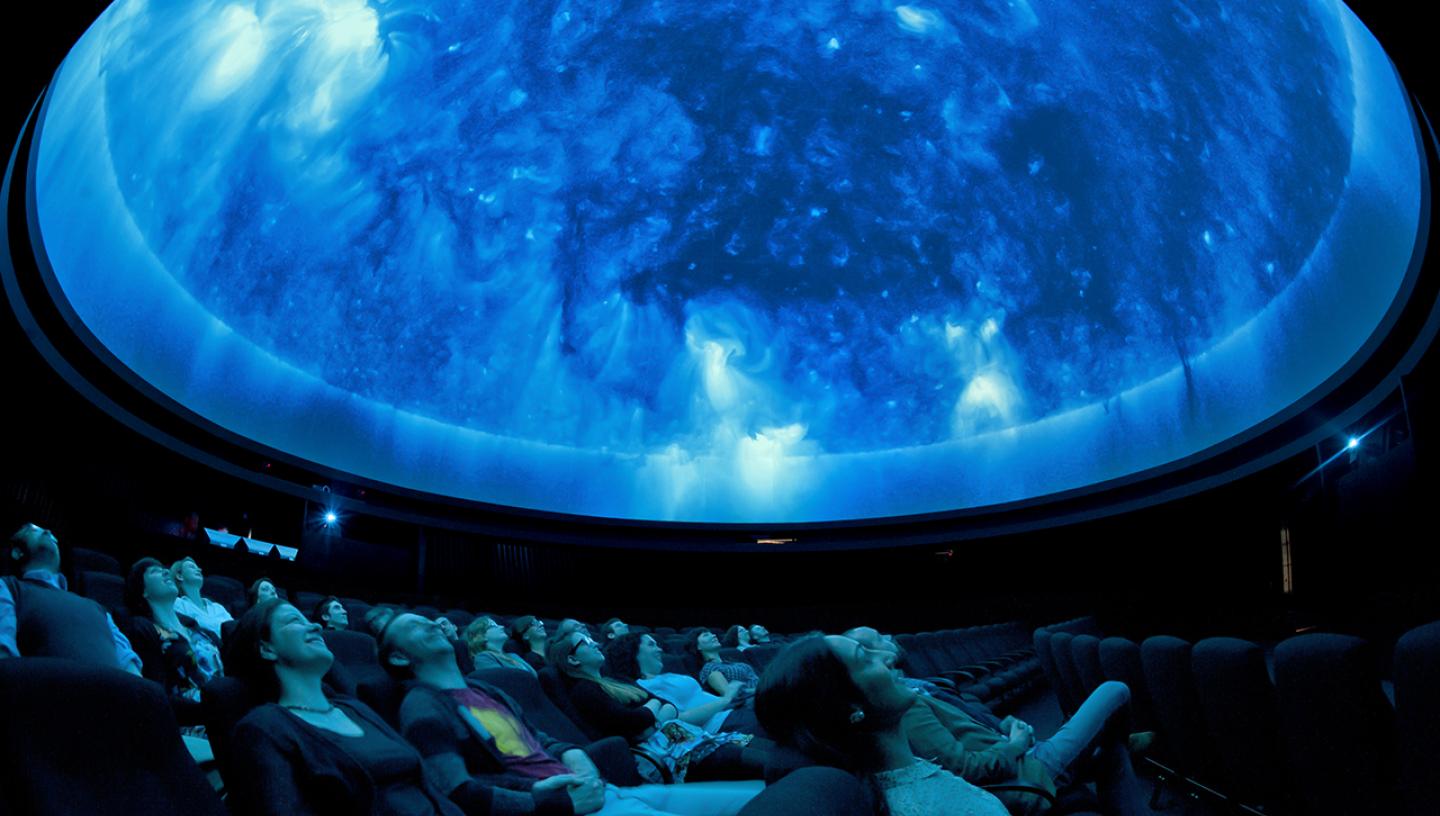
[[760, 262]]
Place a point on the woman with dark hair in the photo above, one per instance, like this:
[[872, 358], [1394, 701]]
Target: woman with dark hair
[[262, 590], [736, 637], [837, 702], [331, 614], [174, 651], [614, 708], [527, 639], [715, 674], [303, 751], [637, 659], [486, 641]]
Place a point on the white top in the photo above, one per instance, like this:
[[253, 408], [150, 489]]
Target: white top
[[208, 618], [685, 692], [926, 789]]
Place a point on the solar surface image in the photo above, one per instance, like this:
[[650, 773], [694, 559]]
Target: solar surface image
[[704, 261]]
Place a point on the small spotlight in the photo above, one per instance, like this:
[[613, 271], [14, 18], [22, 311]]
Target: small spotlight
[[1354, 443], [330, 517]]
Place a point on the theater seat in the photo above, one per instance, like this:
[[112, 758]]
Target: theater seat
[[228, 592], [813, 792], [82, 559], [1417, 712], [104, 588], [1337, 729], [93, 740], [1238, 701]]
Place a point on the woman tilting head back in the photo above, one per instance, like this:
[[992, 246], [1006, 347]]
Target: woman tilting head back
[[841, 704]]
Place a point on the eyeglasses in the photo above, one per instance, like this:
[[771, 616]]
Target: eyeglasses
[[577, 644]]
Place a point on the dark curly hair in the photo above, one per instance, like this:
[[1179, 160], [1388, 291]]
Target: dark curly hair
[[242, 650], [622, 660]]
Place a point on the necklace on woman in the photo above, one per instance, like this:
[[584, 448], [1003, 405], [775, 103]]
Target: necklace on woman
[[310, 709]]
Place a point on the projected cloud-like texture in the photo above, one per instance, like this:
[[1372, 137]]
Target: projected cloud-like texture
[[730, 262]]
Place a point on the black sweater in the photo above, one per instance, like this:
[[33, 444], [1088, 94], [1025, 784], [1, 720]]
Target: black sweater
[[284, 765]]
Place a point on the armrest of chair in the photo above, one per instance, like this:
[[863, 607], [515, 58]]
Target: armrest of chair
[[1018, 788], [660, 770]]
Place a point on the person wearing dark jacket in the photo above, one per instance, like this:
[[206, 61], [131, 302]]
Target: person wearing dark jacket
[[304, 752], [175, 651], [480, 746], [41, 617]]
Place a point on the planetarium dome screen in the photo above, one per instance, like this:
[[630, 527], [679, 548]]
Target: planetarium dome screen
[[712, 262]]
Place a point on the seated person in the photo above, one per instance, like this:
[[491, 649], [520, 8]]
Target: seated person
[[176, 652], [758, 634], [837, 702], [479, 745], [528, 639], [39, 616], [736, 637], [303, 752], [262, 590], [613, 708], [568, 626], [966, 739], [638, 659], [331, 614], [206, 613], [614, 628], [376, 617], [486, 641], [715, 674]]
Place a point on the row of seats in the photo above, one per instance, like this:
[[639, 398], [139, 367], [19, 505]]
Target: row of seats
[[994, 664], [1312, 734]]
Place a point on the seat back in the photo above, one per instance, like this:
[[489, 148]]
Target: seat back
[[1337, 728], [1069, 693], [1168, 676], [128, 758], [1120, 660], [224, 701], [228, 592], [1238, 702], [82, 559], [1417, 712], [813, 791], [1085, 651], [105, 588], [1043, 640]]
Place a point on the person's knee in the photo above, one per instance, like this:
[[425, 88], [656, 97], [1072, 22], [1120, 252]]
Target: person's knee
[[1115, 688]]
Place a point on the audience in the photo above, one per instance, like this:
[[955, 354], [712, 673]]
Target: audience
[[486, 640], [638, 659], [262, 590], [175, 651], [964, 738], [331, 614], [302, 751], [837, 702], [527, 639], [479, 745], [715, 674], [206, 613], [736, 637], [615, 708], [39, 616], [614, 628]]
